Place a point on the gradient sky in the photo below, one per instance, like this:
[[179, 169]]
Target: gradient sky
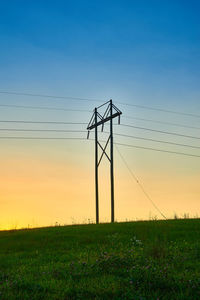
[[137, 52]]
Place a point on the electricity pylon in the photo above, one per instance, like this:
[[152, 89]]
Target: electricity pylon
[[98, 119]]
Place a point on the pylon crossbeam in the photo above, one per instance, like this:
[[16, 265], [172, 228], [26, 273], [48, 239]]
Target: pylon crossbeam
[[104, 121]]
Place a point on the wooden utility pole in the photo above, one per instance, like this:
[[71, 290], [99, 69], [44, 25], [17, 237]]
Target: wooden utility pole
[[96, 169], [111, 165]]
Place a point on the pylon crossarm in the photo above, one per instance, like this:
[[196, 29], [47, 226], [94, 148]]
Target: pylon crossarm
[[104, 151], [104, 121]]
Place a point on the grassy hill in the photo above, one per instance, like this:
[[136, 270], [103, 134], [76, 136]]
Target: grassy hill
[[138, 260]]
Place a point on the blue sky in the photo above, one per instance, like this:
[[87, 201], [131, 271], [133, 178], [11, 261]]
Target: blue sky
[[139, 52], [142, 51]]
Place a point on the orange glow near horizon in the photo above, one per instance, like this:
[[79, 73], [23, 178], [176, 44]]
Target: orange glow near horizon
[[45, 188]]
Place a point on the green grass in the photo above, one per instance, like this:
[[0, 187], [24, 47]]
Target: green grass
[[139, 260]]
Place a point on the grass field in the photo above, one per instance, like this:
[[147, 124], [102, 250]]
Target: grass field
[[138, 260]]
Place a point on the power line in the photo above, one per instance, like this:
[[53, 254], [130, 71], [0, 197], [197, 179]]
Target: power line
[[160, 109], [154, 140], [158, 150], [41, 130], [42, 122], [160, 131], [140, 185], [158, 141], [99, 100], [40, 138], [84, 110], [82, 123], [162, 122], [43, 108], [50, 96], [116, 143]]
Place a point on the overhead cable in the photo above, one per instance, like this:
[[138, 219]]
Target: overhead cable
[[159, 109], [158, 150], [140, 185], [116, 143], [85, 131], [43, 108], [158, 141], [162, 122], [161, 131], [42, 122], [40, 130], [49, 96], [99, 100]]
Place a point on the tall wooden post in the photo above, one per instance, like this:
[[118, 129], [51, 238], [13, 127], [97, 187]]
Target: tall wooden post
[[96, 168], [112, 165]]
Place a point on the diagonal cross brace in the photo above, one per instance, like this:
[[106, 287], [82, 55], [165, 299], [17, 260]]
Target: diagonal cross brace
[[104, 151]]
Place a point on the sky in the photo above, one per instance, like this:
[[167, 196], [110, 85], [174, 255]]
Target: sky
[[144, 53]]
